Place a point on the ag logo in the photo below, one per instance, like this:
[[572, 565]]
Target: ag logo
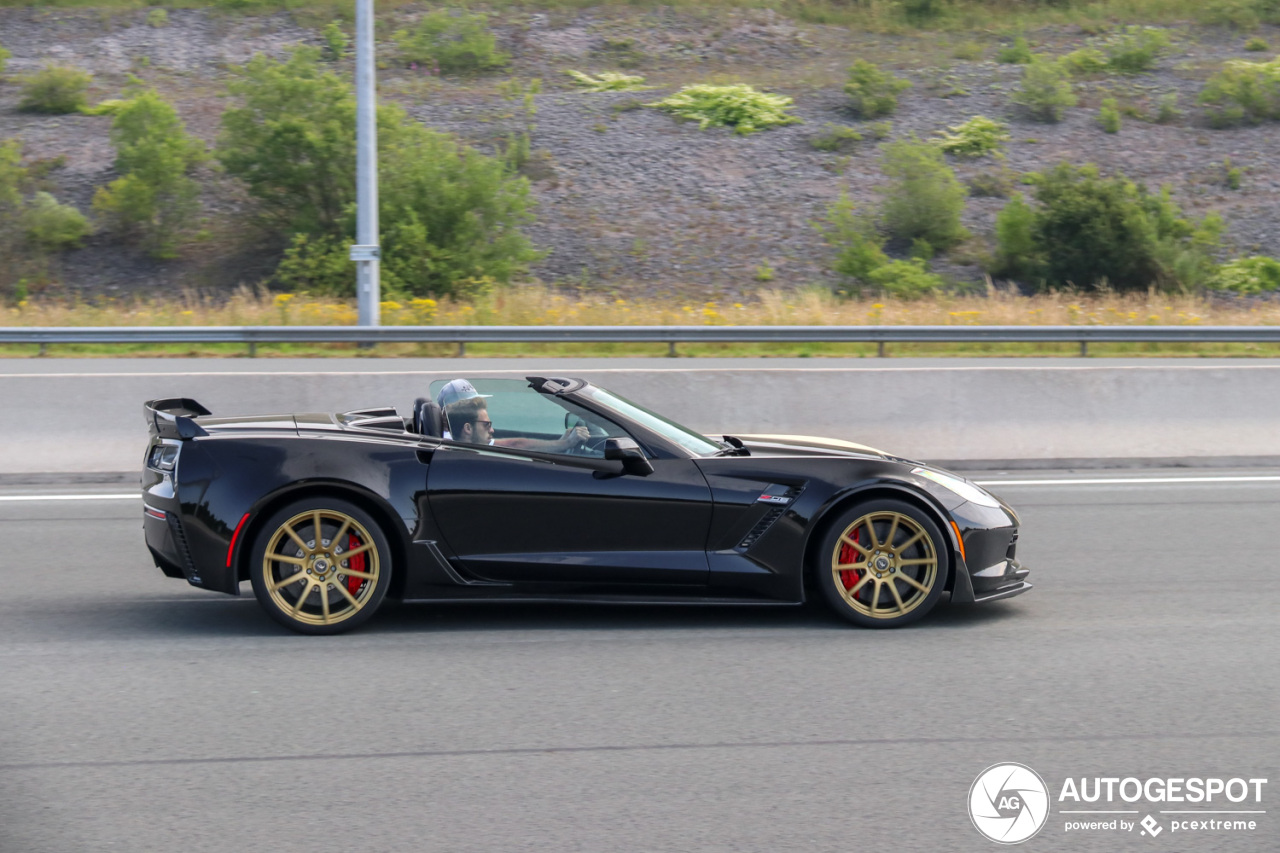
[[1008, 803]]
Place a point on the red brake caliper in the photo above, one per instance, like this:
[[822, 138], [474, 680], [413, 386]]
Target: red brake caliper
[[356, 564], [848, 554]]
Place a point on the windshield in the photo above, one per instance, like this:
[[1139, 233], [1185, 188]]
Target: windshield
[[670, 430]]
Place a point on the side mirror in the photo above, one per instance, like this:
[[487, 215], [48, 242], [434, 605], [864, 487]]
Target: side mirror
[[629, 454]]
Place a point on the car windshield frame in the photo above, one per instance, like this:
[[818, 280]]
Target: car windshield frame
[[678, 434]]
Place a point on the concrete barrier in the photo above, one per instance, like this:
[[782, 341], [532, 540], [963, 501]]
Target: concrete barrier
[[72, 416]]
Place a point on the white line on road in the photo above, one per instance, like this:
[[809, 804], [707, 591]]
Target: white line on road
[[70, 497], [1129, 481], [710, 369]]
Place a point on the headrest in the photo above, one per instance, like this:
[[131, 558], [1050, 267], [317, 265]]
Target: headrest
[[426, 417]]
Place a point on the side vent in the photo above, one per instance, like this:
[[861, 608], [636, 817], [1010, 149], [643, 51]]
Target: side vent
[[765, 522], [180, 539]]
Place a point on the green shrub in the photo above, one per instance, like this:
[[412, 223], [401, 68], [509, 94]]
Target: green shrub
[[1137, 49], [1018, 53], [925, 198], [32, 222], [860, 254], [154, 196], [622, 52], [1109, 116], [976, 137], [4, 59], [1231, 175], [448, 214], [51, 226], [55, 89], [834, 137], [609, 81], [1257, 274], [738, 106], [1241, 14], [1087, 230], [1046, 91], [157, 18], [855, 238], [1243, 92], [909, 279], [337, 44], [873, 92], [1167, 108], [1017, 253], [1086, 60], [922, 11], [996, 183], [880, 130], [967, 50], [451, 43], [13, 176], [1256, 45], [318, 265]]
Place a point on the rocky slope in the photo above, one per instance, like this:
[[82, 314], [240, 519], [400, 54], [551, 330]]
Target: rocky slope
[[629, 199]]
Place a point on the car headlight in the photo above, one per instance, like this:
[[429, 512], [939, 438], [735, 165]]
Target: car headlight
[[964, 489]]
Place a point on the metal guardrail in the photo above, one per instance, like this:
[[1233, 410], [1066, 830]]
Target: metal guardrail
[[671, 335]]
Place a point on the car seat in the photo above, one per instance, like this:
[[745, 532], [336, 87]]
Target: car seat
[[426, 417]]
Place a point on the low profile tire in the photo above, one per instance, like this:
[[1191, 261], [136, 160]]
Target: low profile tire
[[320, 566], [883, 564]]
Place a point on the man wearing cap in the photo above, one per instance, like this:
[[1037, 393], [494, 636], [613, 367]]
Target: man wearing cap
[[467, 420]]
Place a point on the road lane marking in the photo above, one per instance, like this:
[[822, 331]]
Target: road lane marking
[[14, 498], [1130, 481], [542, 751], [522, 371]]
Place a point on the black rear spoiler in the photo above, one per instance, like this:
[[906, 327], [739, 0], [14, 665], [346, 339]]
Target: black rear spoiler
[[172, 417]]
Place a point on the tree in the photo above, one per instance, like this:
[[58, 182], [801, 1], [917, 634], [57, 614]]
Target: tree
[[292, 141], [1087, 230], [154, 195], [448, 214], [926, 198]]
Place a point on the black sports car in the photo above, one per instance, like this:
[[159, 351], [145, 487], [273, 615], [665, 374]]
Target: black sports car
[[553, 489]]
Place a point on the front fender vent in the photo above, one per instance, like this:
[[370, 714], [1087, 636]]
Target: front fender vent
[[766, 521]]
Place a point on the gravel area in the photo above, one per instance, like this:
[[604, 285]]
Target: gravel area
[[628, 198]]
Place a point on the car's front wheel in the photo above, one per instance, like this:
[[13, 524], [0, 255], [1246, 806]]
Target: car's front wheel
[[320, 565], [883, 564]]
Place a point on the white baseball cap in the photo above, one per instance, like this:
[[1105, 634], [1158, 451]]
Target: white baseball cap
[[455, 390]]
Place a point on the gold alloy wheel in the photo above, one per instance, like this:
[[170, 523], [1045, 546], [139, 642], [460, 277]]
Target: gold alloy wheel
[[321, 567], [884, 565]]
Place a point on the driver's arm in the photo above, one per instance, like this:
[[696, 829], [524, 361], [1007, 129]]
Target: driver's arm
[[572, 438]]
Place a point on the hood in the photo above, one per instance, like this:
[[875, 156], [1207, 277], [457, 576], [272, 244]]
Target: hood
[[807, 445]]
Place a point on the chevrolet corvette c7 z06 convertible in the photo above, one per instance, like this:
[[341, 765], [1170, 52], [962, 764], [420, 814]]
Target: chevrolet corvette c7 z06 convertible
[[554, 489]]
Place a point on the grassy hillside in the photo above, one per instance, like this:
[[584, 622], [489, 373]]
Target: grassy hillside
[[628, 200]]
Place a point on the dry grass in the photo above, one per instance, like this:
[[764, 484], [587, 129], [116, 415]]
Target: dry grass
[[536, 305]]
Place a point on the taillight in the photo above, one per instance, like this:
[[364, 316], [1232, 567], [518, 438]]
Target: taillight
[[163, 457]]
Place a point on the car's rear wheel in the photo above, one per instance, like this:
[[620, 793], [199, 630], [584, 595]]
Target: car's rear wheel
[[883, 564], [320, 565]]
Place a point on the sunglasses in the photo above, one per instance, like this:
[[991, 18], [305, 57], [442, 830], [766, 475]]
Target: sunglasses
[[485, 424]]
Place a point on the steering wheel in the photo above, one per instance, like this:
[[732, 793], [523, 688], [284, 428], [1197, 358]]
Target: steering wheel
[[594, 445]]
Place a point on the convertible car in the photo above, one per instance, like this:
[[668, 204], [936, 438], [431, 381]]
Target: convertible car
[[554, 489]]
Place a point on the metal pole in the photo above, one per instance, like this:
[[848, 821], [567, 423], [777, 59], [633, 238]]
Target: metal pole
[[366, 252]]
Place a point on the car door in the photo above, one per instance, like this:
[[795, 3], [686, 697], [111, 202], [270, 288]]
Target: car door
[[516, 516]]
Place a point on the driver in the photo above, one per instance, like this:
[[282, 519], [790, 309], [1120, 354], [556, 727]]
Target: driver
[[467, 419]]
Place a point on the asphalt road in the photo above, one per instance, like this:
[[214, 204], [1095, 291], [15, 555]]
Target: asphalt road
[[138, 714]]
